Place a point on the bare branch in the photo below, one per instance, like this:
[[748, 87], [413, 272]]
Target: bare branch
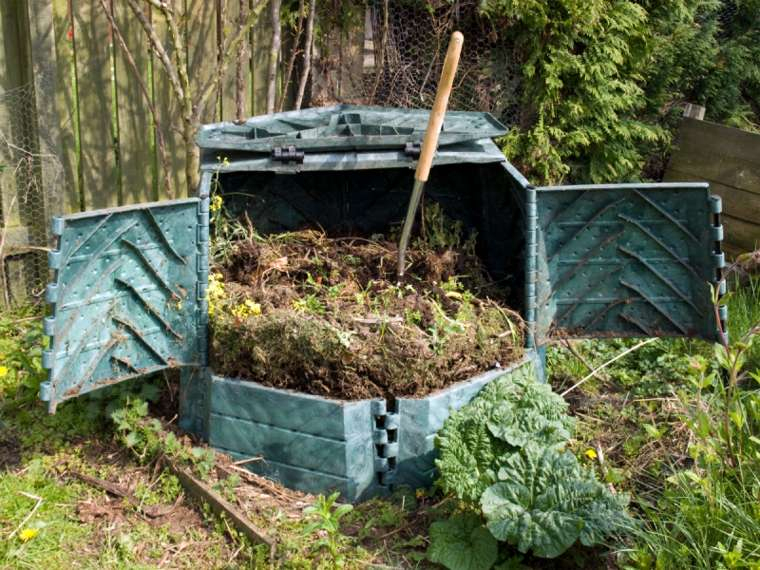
[[158, 48], [306, 55], [293, 54], [274, 54], [163, 6], [131, 60], [180, 56], [213, 81]]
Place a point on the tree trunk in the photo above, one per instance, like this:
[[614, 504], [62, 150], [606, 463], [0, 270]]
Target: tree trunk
[[192, 157], [292, 59], [307, 54], [239, 83], [274, 54]]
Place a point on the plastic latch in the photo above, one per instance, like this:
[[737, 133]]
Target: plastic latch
[[287, 154], [413, 149]]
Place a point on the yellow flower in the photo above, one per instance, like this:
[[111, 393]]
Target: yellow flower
[[28, 534], [591, 454], [4, 371], [247, 309], [216, 203]]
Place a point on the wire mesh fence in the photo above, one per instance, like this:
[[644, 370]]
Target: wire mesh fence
[[407, 44], [31, 190], [404, 48]]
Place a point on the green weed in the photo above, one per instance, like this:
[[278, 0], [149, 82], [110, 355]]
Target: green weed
[[325, 517]]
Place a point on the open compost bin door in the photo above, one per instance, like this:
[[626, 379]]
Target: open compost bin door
[[128, 297], [626, 260]]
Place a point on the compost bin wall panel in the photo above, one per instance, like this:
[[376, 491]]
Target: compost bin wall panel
[[124, 296], [421, 419], [305, 441], [626, 260]]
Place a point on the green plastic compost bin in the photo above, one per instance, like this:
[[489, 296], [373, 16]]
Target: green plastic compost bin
[[129, 294]]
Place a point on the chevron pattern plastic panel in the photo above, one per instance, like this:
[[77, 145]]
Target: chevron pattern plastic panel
[[627, 260], [128, 297]]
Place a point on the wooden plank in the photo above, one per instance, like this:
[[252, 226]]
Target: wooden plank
[[696, 135], [203, 492], [729, 159], [262, 33], [710, 164], [202, 50], [170, 124], [14, 117], [740, 235], [739, 203], [66, 104], [56, 179], [229, 82], [99, 163], [134, 115]]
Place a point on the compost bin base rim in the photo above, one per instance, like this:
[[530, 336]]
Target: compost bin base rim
[[362, 448]]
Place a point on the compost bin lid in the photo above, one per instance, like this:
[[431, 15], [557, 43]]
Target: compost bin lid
[[345, 127]]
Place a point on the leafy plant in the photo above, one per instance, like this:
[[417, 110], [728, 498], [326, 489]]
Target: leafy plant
[[707, 516], [603, 81], [326, 515], [502, 455], [506, 415], [462, 543], [545, 501]]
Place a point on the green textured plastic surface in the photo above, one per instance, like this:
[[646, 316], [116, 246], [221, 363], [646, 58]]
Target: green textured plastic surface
[[361, 449], [344, 128], [626, 260], [126, 299], [305, 442]]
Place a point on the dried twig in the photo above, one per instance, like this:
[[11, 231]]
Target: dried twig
[[249, 460], [30, 514], [117, 491], [606, 364]]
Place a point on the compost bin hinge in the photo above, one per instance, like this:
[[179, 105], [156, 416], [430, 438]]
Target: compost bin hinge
[[201, 285], [287, 154], [719, 264], [413, 149], [386, 442]]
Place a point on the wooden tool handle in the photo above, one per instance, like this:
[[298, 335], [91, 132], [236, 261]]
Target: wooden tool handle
[[430, 142]]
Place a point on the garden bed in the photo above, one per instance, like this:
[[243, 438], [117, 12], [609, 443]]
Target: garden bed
[[327, 316]]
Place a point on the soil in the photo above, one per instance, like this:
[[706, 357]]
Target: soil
[[327, 316]]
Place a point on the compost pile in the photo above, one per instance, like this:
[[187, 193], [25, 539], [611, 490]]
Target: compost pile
[[327, 316]]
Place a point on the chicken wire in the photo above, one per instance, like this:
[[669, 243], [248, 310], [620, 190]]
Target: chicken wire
[[31, 190], [405, 45]]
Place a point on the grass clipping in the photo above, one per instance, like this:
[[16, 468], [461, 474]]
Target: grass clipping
[[326, 316]]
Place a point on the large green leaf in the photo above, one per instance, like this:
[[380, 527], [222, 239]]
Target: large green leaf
[[508, 413], [462, 543], [545, 501]]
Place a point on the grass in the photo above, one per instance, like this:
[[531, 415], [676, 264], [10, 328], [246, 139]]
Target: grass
[[55, 521], [744, 312], [641, 415], [656, 418]]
